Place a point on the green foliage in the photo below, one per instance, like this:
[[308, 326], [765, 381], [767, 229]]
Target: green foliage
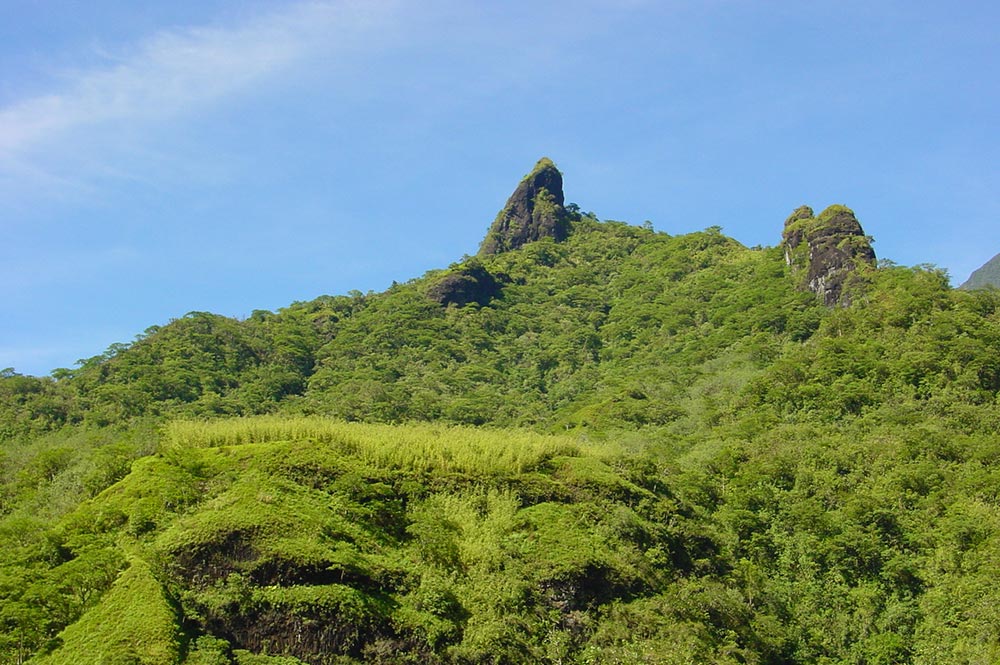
[[741, 475], [133, 624], [576, 323], [302, 537], [414, 446]]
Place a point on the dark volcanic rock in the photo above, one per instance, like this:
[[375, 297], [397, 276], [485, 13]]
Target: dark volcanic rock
[[469, 283], [534, 211], [795, 230], [826, 250]]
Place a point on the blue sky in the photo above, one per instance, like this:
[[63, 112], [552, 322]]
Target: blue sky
[[161, 158]]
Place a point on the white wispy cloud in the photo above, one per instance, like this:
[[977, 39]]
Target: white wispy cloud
[[174, 72]]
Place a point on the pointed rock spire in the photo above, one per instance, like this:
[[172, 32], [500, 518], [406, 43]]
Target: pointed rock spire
[[534, 211], [827, 250]]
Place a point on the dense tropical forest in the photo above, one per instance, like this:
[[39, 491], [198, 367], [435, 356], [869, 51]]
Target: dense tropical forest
[[590, 443]]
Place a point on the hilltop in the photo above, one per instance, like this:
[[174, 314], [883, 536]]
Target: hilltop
[[545, 318], [591, 442], [984, 276]]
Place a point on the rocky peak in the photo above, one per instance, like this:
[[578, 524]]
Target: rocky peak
[[534, 211], [826, 250]]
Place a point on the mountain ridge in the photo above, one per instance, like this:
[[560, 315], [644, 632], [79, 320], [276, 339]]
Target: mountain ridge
[[617, 446], [984, 276]]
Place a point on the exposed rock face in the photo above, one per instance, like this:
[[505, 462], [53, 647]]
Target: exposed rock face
[[534, 211], [826, 250], [470, 283]]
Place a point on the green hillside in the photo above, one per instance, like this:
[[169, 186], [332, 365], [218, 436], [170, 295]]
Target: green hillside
[[578, 327], [605, 445], [985, 276]]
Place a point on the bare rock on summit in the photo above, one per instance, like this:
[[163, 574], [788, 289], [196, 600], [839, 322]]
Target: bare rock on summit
[[826, 251], [534, 211]]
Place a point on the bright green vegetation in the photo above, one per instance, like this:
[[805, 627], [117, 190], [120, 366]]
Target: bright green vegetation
[[645, 449], [132, 623], [334, 541]]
